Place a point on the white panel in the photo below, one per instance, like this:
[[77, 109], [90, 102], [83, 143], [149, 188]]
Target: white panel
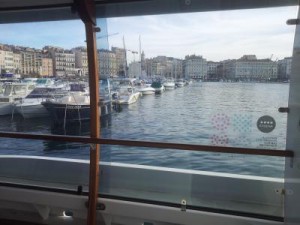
[[292, 170]]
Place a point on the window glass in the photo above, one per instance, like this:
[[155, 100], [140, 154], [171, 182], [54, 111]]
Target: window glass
[[207, 78]]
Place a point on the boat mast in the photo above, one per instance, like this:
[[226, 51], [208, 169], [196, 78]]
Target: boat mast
[[140, 49], [125, 62]]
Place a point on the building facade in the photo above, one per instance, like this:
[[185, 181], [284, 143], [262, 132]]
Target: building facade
[[194, 67], [212, 70], [285, 68], [81, 61], [31, 62], [135, 70], [108, 64], [6, 61], [47, 67], [63, 61], [121, 61], [251, 68]]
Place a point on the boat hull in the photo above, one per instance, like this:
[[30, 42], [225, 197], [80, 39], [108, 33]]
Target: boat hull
[[31, 111], [6, 109], [64, 113], [130, 99], [169, 87]]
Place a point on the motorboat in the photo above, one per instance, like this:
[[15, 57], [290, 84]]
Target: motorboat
[[13, 92], [31, 107], [146, 89], [180, 83], [125, 92], [45, 82], [158, 86], [75, 106], [169, 84]]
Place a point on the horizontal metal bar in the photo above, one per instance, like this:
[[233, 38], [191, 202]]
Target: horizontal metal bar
[[150, 144], [35, 7], [62, 5]]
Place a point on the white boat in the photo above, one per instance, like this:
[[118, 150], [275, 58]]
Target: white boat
[[31, 107], [45, 82], [146, 90], [169, 84], [180, 83], [13, 92], [125, 92]]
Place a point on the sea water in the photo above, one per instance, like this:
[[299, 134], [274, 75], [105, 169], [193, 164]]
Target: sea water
[[204, 113]]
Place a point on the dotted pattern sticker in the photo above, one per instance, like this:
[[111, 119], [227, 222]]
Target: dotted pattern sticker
[[242, 123], [221, 121], [220, 140], [241, 141]]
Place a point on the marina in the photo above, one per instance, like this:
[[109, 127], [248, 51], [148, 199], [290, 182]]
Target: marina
[[155, 118]]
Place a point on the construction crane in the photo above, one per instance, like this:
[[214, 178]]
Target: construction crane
[[133, 52], [108, 35], [104, 36]]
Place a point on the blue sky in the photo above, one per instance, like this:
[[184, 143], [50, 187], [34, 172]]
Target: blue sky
[[215, 35]]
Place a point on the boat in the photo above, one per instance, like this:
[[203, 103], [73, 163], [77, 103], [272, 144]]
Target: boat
[[125, 92], [75, 106], [158, 86], [180, 83], [169, 84], [31, 107], [146, 89], [72, 108], [13, 92]]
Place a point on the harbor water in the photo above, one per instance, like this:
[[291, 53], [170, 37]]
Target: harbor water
[[204, 113]]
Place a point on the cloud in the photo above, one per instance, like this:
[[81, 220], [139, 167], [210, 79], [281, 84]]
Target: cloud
[[215, 35]]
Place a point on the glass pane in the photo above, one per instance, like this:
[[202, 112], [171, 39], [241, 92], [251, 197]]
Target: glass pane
[[44, 83], [166, 182], [208, 78], [223, 81]]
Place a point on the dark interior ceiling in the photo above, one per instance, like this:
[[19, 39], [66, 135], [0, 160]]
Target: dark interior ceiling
[[14, 11]]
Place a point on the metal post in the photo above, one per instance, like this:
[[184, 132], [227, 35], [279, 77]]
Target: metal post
[[94, 122], [86, 11]]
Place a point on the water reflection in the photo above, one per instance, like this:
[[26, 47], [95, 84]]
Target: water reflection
[[203, 113]]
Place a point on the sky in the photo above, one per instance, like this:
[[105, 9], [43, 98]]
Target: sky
[[214, 35]]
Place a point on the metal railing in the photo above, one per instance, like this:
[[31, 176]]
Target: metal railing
[[150, 144]]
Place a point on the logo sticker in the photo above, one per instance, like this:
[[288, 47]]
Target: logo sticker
[[266, 124]]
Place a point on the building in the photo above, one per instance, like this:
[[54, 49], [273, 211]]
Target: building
[[121, 61], [194, 67], [6, 61], [81, 60], [63, 61], [284, 68], [31, 62], [212, 70], [249, 67], [47, 67], [17, 62], [135, 70], [108, 64]]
